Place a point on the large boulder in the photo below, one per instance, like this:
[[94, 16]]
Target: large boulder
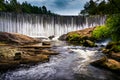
[[15, 38], [83, 37], [112, 50], [83, 34], [109, 64]]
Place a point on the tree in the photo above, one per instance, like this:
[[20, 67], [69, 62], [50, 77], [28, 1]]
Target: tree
[[90, 8], [102, 8], [26, 8], [44, 9], [116, 3], [113, 22], [15, 6], [2, 5]]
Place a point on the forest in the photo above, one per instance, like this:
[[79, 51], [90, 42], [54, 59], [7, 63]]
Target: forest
[[25, 7], [101, 7]]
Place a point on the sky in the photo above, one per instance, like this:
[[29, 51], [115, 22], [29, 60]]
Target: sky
[[62, 7]]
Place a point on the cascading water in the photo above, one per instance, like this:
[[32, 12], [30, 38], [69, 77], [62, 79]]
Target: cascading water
[[36, 25]]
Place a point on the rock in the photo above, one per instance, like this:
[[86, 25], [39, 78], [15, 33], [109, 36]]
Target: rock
[[105, 51], [83, 37], [34, 59], [115, 56], [17, 56], [63, 37], [51, 37], [100, 61], [89, 43], [46, 43], [48, 52], [109, 64], [112, 65], [6, 65], [15, 38]]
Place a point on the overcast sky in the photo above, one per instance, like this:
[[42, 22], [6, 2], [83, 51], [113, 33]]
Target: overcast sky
[[63, 7]]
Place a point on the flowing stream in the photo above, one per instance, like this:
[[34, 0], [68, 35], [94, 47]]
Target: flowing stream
[[72, 63]]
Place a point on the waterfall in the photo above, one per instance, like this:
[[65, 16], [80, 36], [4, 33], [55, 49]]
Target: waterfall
[[36, 25]]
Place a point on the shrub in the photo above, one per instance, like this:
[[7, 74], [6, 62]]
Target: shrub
[[100, 32], [113, 22]]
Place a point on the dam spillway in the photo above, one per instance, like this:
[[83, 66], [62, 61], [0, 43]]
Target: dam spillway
[[36, 25]]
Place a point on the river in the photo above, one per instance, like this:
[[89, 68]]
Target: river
[[72, 63]]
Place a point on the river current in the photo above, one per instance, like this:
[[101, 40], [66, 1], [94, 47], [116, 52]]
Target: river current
[[72, 63]]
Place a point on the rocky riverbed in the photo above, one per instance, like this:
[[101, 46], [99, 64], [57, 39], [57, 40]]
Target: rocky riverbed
[[16, 49]]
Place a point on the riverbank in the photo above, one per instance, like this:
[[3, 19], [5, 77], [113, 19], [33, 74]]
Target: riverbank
[[16, 49]]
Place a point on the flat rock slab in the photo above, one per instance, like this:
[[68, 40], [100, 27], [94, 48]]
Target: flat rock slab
[[35, 47]]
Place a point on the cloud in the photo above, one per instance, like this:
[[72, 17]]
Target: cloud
[[63, 7], [61, 4]]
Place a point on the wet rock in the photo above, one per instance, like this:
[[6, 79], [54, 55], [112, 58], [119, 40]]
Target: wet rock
[[89, 43], [109, 64], [83, 37], [100, 61], [46, 43], [115, 56], [112, 65], [15, 38], [105, 51], [6, 65], [34, 59], [17, 56], [63, 37], [51, 37], [48, 52]]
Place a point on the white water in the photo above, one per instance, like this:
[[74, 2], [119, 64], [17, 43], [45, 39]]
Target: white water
[[43, 25]]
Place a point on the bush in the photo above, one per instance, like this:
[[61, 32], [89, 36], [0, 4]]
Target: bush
[[113, 22], [100, 32]]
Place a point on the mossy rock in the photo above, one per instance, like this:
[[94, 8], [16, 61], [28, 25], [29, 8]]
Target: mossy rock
[[73, 37], [115, 48], [89, 43], [110, 45]]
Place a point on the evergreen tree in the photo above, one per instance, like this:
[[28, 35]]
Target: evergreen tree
[[14, 6], [102, 7], [2, 5]]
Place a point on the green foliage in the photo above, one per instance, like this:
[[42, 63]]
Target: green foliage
[[73, 37], [101, 7], [89, 8], [113, 22], [15, 6], [101, 32], [116, 48], [2, 5]]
